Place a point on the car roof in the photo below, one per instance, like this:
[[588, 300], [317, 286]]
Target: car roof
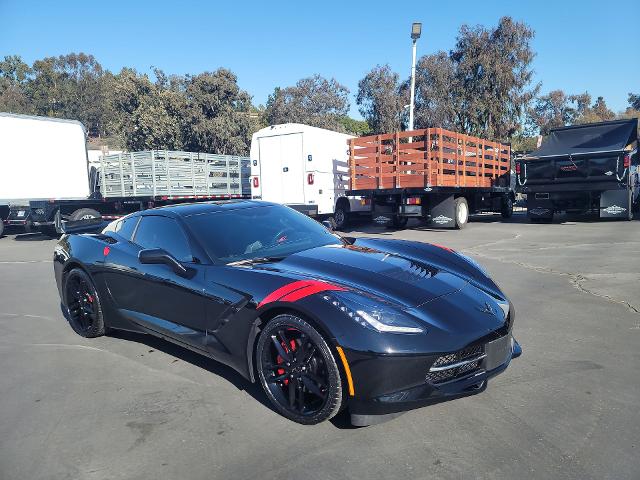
[[190, 209]]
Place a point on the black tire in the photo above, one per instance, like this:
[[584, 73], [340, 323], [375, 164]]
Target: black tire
[[84, 310], [507, 207], [461, 212], [1, 227], [398, 223], [305, 391], [341, 217], [84, 214]]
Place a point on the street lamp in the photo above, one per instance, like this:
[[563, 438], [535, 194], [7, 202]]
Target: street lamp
[[416, 30]]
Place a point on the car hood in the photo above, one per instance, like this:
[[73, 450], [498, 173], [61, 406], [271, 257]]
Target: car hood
[[406, 282]]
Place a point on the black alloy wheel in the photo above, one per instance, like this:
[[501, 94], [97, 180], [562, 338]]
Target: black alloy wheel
[[83, 305], [298, 371]]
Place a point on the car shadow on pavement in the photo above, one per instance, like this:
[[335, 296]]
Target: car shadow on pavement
[[341, 421], [32, 237], [196, 359]]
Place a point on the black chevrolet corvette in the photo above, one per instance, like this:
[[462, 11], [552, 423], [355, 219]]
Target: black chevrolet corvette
[[321, 321]]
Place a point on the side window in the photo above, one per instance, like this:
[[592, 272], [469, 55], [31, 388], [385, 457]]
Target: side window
[[165, 233], [126, 226]]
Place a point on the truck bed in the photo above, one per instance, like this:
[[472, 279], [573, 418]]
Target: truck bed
[[174, 175], [427, 158]]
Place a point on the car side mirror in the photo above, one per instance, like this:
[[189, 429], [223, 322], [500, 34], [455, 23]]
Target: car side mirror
[[161, 256], [328, 225]]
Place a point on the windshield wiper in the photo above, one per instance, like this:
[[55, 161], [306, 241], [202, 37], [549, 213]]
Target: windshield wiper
[[252, 261]]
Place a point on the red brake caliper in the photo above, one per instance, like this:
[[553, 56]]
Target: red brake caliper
[[279, 359]]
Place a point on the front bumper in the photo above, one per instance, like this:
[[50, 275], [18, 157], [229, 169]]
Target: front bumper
[[386, 385]]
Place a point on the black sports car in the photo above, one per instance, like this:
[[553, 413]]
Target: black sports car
[[321, 321]]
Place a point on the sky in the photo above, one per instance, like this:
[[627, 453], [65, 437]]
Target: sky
[[581, 46]]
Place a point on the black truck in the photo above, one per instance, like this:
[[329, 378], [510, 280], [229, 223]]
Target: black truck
[[583, 169]]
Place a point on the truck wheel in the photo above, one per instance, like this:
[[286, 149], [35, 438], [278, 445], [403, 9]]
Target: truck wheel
[[340, 217], [1, 226], [507, 207], [462, 212], [84, 214]]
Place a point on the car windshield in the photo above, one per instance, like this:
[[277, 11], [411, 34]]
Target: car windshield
[[258, 232]]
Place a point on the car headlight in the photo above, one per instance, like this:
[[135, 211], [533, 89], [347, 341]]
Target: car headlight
[[372, 313]]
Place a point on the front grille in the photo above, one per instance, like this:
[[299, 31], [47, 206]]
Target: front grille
[[462, 363]]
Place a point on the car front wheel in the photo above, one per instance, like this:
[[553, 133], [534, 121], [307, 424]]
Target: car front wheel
[[298, 371]]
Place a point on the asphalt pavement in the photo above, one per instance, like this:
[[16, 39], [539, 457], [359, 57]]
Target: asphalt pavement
[[135, 407]]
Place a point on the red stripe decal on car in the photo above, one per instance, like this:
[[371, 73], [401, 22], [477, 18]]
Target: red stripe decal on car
[[297, 290]]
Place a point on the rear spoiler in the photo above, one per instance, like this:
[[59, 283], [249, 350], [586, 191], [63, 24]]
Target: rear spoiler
[[90, 225]]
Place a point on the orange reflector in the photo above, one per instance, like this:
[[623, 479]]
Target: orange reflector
[[347, 370]]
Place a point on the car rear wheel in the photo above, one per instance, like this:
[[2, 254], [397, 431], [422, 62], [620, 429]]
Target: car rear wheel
[[84, 310], [298, 371]]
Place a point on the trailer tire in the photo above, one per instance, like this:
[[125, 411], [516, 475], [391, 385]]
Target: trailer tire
[[84, 214], [340, 216], [462, 212], [507, 207]]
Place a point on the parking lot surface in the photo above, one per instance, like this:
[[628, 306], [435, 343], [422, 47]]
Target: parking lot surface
[[133, 407]]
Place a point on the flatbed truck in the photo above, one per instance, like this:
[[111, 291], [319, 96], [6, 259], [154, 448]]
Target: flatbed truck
[[432, 174]]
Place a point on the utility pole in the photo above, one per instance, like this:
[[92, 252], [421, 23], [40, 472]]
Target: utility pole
[[416, 30]]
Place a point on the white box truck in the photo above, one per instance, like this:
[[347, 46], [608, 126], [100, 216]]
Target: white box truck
[[305, 168], [40, 158]]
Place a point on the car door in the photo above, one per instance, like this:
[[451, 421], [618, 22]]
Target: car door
[[153, 295]]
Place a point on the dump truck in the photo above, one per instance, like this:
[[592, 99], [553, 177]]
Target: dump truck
[[432, 174], [590, 168]]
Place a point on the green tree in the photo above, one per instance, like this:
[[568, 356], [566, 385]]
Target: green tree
[[381, 100], [219, 114], [634, 101], [69, 86], [313, 101], [14, 75], [145, 115], [557, 109], [437, 92], [598, 112], [493, 78], [355, 127]]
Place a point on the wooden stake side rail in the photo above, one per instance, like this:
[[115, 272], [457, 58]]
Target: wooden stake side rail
[[426, 158]]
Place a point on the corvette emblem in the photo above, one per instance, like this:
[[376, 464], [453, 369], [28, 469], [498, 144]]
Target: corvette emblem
[[381, 220], [487, 309], [608, 173]]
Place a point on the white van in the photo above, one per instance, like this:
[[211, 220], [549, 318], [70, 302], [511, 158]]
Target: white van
[[305, 168]]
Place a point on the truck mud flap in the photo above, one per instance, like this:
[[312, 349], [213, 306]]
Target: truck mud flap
[[443, 211], [382, 215], [615, 204], [538, 207]]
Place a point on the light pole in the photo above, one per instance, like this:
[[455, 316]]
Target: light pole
[[416, 30]]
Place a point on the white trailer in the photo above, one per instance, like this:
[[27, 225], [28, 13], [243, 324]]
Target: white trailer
[[305, 168], [40, 158]]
